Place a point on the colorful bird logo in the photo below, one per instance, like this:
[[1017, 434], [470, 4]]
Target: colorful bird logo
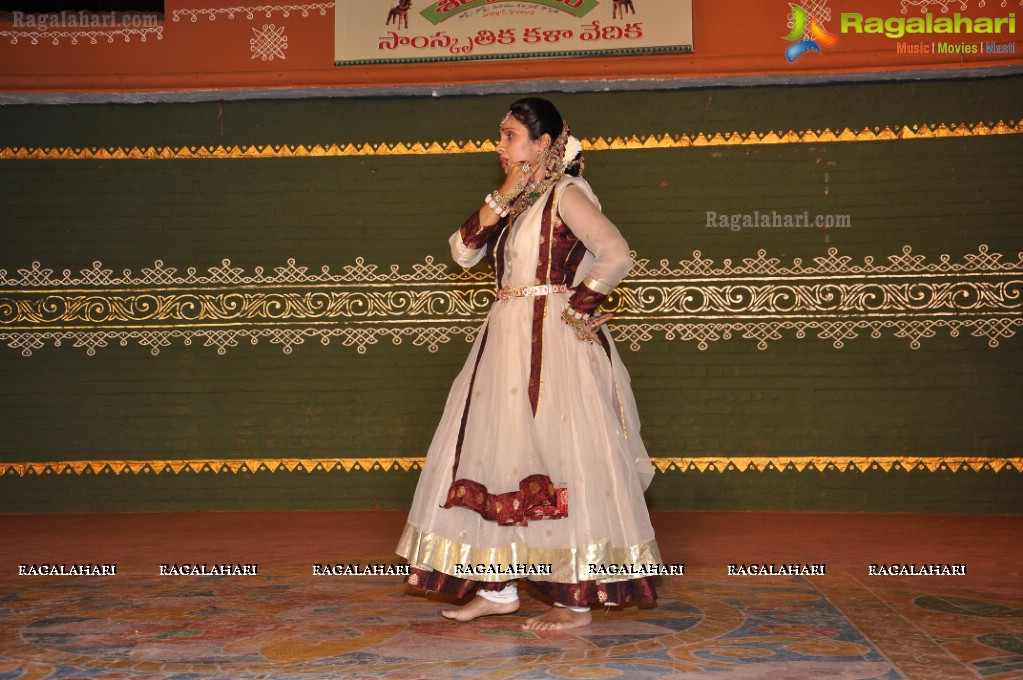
[[807, 34]]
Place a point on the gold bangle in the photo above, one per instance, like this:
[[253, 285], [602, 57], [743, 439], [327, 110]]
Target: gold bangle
[[579, 325]]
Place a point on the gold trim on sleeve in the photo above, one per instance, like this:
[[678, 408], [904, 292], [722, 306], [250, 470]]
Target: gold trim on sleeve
[[597, 286]]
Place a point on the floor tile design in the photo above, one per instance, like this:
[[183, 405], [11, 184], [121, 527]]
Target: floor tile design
[[287, 623]]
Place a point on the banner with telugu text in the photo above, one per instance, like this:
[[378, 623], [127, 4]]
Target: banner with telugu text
[[403, 31]]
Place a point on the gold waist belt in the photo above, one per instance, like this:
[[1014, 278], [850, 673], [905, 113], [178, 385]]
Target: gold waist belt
[[506, 293]]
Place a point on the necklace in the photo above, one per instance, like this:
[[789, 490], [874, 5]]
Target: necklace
[[533, 191]]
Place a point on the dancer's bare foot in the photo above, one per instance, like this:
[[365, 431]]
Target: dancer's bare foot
[[558, 618], [479, 606]]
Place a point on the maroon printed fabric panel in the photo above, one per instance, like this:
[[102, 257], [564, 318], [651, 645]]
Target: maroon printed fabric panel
[[536, 499], [536, 351], [547, 221], [591, 593], [454, 586], [546, 245], [475, 235], [585, 299], [567, 252]]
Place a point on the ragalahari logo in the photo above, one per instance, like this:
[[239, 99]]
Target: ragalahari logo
[[808, 34]]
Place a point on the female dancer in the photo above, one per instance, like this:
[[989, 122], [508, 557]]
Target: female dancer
[[537, 469]]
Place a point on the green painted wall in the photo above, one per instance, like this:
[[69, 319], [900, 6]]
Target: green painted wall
[[950, 397]]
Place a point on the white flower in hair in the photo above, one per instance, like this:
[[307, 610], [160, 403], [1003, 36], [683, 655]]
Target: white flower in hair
[[572, 150]]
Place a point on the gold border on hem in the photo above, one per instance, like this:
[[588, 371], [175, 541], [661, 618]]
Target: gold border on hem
[[420, 148], [664, 465], [434, 552]]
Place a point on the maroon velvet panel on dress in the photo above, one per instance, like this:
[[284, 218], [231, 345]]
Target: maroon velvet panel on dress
[[536, 499]]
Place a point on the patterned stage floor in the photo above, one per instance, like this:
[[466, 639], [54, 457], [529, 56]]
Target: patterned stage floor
[[287, 623]]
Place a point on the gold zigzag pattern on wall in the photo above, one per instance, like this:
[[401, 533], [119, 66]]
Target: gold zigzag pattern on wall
[[652, 141], [663, 465]]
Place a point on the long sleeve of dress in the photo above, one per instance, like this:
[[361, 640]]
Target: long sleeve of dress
[[612, 260], [469, 243]]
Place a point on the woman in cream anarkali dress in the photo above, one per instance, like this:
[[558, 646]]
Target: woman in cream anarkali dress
[[537, 469]]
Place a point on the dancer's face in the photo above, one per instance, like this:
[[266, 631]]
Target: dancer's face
[[515, 146]]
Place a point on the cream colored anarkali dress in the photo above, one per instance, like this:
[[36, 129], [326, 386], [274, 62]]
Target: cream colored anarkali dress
[[537, 465]]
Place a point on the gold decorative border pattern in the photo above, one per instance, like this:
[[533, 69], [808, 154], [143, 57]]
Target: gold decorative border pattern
[[760, 298], [663, 465], [420, 148]]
